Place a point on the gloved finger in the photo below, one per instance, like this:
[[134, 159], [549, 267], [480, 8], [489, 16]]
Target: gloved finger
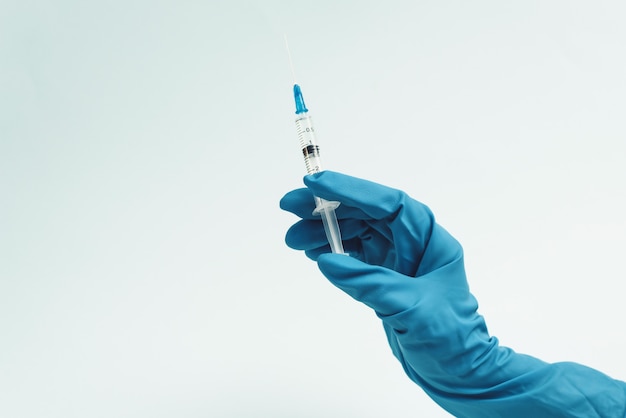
[[352, 247], [315, 253], [306, 235], [309, 233], [359, 239], [374, 199], [300, 202], [382, 289]]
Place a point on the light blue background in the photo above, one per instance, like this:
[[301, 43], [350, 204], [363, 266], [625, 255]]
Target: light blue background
[[144, 146]]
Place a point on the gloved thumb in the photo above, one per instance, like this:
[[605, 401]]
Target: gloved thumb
[[386, 291]]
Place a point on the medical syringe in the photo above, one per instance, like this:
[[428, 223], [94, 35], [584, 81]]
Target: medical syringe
[[311, 153]]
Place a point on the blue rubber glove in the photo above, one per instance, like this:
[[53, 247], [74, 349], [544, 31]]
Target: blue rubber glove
[[410, 271]]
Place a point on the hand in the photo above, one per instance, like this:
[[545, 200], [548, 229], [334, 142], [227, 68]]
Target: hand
[[404, 266], [410, 271]]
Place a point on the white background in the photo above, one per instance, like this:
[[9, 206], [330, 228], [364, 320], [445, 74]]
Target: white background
[[144, 146]]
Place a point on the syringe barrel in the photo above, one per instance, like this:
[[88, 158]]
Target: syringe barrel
[[308, 144]]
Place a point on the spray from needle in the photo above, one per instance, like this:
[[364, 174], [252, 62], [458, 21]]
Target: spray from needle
[[297, 92], [293, 72]]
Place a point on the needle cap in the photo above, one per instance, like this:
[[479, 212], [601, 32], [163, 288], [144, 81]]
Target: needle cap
[[297, 94]]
